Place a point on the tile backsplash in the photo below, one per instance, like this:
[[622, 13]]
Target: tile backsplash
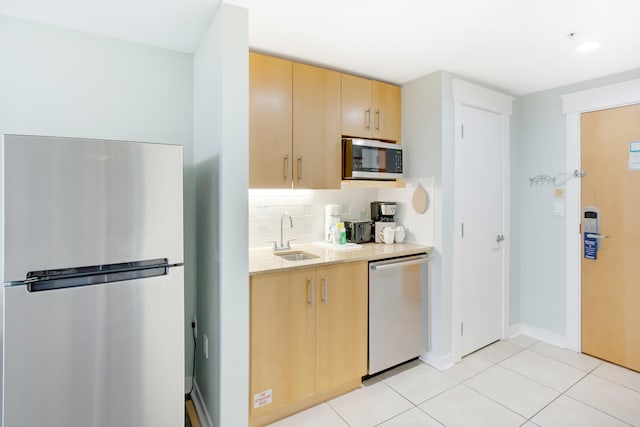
[[307, 208]]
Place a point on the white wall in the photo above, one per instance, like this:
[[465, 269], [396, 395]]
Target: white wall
[[65, 83], [428, 134], [423, 136], [221, 156], [538, 259]]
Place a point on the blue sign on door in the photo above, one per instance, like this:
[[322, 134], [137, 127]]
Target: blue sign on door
[[590, 246]]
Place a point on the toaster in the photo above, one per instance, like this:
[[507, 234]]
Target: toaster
[[359, 231]]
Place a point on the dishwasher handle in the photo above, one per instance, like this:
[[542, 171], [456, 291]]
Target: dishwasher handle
[[400, 262]]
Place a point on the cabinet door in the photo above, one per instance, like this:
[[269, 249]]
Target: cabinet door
[[270, 87], [342, 324], [283, 340], [357, 116], [386, 116], [316, 127]]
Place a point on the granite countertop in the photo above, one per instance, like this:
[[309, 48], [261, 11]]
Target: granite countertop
[[263, 260]]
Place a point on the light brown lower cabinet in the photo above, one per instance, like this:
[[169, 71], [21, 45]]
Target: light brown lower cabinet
[[308, 338]]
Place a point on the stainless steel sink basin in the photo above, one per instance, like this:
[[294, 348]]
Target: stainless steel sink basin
[[295, 255]]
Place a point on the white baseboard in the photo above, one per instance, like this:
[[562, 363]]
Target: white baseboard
[[187, 384], [544, 335], [201, 408], [514, 331], [438, 361]]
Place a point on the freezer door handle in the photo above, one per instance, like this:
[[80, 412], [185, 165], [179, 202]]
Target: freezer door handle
[[46, 280]]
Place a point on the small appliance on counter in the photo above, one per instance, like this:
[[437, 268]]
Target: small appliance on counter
[[383, 214], [331, 219], [359, 231]]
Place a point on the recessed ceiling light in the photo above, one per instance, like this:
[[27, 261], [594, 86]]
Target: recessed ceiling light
[[587, 47]]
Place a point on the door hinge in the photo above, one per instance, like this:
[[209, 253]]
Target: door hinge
[[461, 328]]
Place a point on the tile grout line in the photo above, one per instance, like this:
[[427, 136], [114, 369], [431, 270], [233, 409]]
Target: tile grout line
[[589, 405], [337, 413], [597, 409], [495, 401]]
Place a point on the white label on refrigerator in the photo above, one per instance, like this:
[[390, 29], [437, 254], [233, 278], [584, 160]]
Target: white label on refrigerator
[[634, 155], [261, 399]]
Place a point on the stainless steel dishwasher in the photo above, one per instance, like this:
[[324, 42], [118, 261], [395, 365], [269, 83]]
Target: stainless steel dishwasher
[[397, 310]]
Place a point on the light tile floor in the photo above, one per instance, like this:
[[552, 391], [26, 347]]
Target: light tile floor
[[517, 382]]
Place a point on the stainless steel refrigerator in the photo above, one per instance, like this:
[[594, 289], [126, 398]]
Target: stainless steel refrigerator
[[92, 273]]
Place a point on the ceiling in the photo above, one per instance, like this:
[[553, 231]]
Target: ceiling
[[519, 46]]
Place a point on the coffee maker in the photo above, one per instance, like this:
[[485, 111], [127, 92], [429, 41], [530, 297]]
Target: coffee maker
[[383, 214]]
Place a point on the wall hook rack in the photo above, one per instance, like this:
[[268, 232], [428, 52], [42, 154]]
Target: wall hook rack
[[548, 179], [542, 179]]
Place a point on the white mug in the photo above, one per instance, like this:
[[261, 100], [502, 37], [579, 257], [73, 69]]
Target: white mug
[[399, 234], [387, 235]]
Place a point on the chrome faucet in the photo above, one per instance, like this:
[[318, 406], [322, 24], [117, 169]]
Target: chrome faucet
[[282, 246]]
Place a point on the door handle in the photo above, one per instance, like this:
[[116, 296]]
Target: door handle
[[499, 238], [300, 167], [310, 290], [367, 118], [286, 166], [324, 289], [596, 236], [377, 121]]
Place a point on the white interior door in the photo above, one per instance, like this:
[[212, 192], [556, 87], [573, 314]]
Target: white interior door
[[479, 218]]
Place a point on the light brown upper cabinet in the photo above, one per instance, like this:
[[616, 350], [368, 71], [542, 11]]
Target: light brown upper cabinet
[[294, 132], [316, 127], [370, 109], [270, 121]]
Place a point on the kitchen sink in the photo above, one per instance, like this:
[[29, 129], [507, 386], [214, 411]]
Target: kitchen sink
[[295, 255]]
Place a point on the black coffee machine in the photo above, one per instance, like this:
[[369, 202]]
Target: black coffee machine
[[383, 211], [383, 215]]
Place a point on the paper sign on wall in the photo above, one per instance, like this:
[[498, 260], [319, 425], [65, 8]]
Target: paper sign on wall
[[634, 155]]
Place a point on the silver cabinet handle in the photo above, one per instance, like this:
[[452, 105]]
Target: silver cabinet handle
[[300, 167], [377, 120], [324, 289], [310, 290], [499, 238], [367, 118], [286, 166]]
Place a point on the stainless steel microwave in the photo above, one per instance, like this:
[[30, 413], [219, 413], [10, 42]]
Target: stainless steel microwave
[[370, 159]]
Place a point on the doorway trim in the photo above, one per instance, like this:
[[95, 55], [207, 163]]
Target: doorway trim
[[574, 104], [471, 95]]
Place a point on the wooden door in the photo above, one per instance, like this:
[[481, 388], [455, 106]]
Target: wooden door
[[283, 339], [386, 104], [316, 127], [611, 283], [479, 198], [342, 324], [270, 122], [357, 115]]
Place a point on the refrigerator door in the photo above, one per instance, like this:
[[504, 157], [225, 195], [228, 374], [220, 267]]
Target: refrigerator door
[[78, 202], [100, 356]]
